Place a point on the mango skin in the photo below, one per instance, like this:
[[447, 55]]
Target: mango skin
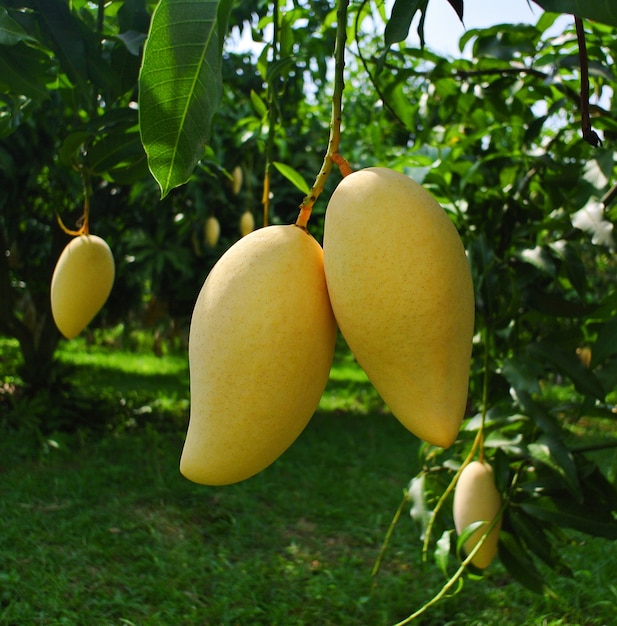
[[402, 294], [261, 345], [476, 499], [81, 283]]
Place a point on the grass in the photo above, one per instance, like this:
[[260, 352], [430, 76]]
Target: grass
[[104, 530]]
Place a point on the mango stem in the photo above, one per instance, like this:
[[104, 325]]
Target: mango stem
[[335, 121]]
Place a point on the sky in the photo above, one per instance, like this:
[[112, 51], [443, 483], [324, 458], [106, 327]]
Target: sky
[[443, 29]]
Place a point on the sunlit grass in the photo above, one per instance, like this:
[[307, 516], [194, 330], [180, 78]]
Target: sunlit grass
[[105, 530]]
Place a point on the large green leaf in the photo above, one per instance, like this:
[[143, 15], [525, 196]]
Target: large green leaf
[[599, 10], [180, 85]]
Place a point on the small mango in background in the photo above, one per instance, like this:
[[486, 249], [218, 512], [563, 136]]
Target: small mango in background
[[81, 283], [212, 231], [476, 499], [247, 223]]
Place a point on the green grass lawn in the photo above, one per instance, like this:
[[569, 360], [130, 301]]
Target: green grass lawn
[[104, 530]]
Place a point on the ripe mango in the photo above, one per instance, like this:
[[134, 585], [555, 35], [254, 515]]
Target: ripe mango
[[261, 344], [476, 499], [81, 283], [236, 180], [247, 223], [212, 231], [402, 294]]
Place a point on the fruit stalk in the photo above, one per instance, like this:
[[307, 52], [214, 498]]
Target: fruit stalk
[[459, 572], [335, 121], [589, 135]]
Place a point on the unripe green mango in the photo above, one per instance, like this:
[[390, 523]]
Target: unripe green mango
[[402, 294], [476, 499], [261, 345], [81, 283]]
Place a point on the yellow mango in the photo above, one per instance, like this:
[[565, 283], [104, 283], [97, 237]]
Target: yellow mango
[[81, 283], [402, 294], [261, 345], [476, 499], [212, 231], [247, 223], [236, 180]]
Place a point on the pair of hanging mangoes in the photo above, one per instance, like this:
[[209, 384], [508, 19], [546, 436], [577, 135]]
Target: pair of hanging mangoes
[[394, 277]]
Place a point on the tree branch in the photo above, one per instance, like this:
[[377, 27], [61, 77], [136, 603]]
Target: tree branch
[[589, 135], [335, 122]]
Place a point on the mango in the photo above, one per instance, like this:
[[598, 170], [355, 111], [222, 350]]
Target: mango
[[212, 231], [261, 345], [236, 180], [402, 294], [476, 499], [247, 223], [81, 283]]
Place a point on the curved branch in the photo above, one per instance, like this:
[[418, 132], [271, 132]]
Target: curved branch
[[589, 135]]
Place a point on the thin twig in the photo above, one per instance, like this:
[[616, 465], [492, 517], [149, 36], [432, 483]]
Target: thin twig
[[388, 536], [460, 571]]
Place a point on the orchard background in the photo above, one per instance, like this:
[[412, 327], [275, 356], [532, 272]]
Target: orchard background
[[141, 112]]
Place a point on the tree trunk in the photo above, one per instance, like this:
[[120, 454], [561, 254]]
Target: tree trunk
[[26, 316]]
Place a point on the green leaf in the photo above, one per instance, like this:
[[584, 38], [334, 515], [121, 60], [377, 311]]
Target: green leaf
[[71, 148], [401, 17], [25, 71], [180, 85], [67, 38], [537, 413], [550, 451], [605, 345], [519, 563], [585, 518], [258, 104], [467, 533], [10, 31], [292, 176], [585, 381], [442, 551], [534, 536], [118, 149], [599, 10]]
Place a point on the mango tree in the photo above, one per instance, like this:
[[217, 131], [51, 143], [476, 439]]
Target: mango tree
[[514, 140]]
